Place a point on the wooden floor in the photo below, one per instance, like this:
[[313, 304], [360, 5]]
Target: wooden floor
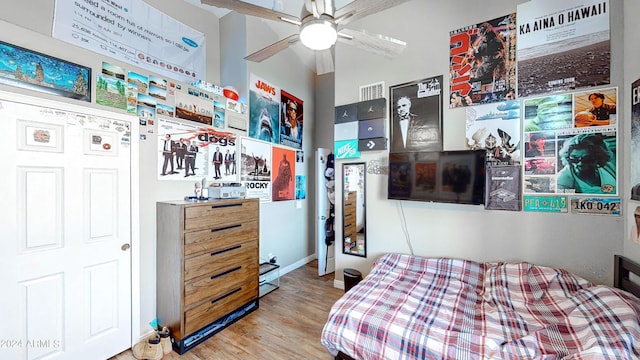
[[286, 326]]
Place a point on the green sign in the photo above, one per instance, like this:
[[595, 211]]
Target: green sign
[[545, 203]]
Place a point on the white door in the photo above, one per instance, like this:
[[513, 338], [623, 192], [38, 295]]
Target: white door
[[325, 198], [65, 228]]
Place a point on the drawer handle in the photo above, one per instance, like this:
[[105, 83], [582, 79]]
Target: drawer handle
[[225, 295], [225, 250], [226, 272], [226, 227], [224, 206]]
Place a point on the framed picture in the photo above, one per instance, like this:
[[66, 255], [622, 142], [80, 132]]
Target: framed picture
[[416, 115], [35, 71], [37, 136]]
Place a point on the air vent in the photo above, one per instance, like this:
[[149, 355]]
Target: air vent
[[372, 91]]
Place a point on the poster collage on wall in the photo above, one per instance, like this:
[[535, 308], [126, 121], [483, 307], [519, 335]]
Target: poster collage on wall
[[223, 141], [551, 144]]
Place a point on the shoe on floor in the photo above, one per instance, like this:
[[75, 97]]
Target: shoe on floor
[[165, 340], [148, 349]]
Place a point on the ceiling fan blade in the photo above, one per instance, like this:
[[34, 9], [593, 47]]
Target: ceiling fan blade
[[324, 62], [377, 44], [252, 10], [358, 9], [273, 49]]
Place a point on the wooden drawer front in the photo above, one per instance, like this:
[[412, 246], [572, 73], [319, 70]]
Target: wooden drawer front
[[217, 307], [218, 238], [217, 214], [215, 262], [219, 283]]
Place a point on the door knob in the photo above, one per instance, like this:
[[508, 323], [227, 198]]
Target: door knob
[[125, 247]]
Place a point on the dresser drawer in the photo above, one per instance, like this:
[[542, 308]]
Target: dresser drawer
[[218, 238], [216, 261], [217, 214], [217, 307], [218, 283]]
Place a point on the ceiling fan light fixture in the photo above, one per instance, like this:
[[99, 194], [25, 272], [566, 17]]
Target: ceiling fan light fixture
[[318, 34]]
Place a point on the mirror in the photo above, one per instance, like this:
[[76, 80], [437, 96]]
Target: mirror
[[354, 228]]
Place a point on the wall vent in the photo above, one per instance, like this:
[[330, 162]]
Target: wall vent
[[372, 91]]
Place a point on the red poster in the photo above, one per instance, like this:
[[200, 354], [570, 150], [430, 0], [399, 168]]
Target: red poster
[[482, 61]]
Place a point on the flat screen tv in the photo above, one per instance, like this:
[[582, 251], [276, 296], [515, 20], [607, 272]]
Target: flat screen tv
[[438, 176]]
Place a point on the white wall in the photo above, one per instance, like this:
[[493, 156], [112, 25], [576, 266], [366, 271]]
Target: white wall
[[583, 244]]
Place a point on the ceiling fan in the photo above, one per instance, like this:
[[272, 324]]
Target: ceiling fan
[[320, 26]]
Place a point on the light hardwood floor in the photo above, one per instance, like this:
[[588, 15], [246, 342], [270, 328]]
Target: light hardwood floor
[[286, 326]]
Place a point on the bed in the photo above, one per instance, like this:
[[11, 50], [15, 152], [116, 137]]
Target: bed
[[411, 307]]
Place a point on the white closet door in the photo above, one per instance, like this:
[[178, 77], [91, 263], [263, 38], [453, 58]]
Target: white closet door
[[65, 220]]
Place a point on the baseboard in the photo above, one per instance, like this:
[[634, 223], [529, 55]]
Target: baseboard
[[338, 284], [297, 264], [144, 337]]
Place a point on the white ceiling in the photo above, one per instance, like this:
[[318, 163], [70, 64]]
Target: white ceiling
[[291, 7]]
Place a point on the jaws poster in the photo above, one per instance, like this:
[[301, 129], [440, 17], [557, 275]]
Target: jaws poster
[[264, 110]]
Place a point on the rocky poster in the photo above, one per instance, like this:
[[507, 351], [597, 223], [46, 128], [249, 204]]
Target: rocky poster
[[482, 60], [562, 45]]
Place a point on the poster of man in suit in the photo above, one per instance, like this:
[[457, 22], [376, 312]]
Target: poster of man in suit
[[416, 116]]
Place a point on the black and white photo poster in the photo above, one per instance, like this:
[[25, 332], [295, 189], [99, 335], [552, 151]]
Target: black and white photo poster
[[562, 45], [416, 115]]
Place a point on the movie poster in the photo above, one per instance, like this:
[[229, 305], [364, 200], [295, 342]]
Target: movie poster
[[495, 127], [482, 60], [416, 116], [291, 120], [595, 107], [264, 110], [635, 140], [255, 168], [186, 151], [562, 45], [284, 169]]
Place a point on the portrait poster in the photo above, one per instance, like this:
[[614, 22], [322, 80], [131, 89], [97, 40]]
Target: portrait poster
[[184, 150], [502, 191], [301, 187], [482, 62], [255, 168], [495, 127], [562, 45], [39, 72], [416, 115], [284, 169], [635, 140], [595, 107], [291, 120], [587, 161], [264, 110]]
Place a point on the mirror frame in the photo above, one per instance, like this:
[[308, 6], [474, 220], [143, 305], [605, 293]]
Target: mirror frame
[[354, 180]]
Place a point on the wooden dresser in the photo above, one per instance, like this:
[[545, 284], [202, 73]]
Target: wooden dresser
[[207, 266]]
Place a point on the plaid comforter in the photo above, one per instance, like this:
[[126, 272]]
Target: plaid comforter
[[411, 307]]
